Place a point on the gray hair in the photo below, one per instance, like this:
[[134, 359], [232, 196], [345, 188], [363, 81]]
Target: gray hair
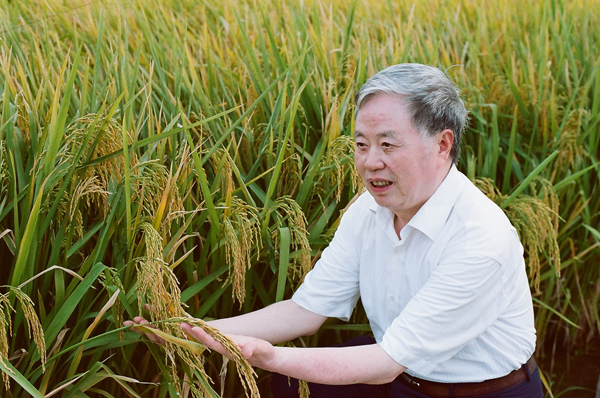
[[431, 97]]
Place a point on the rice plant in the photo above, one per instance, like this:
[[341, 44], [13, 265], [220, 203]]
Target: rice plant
[[197, 156]]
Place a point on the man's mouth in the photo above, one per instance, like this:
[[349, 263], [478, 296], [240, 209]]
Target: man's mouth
[[381, 184]]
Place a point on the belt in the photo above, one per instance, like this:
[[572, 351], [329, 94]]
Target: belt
[[445, 390]]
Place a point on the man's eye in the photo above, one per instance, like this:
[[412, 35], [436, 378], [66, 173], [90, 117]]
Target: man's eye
[[386, 145]]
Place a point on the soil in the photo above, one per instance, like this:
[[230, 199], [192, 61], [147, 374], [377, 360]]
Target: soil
[[574, 376]]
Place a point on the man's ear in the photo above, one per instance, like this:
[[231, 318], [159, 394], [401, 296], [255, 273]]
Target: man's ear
[[445, 139]]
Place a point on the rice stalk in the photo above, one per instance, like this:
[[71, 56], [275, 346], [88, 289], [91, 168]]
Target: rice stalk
[[241, 230], [112, 277], [223, 171]]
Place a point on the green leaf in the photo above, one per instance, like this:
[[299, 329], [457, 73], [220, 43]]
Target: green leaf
[[26, 242], [65, 312], [58, 121], [284, 261], [558, 314], [525, 183], [14, 374]]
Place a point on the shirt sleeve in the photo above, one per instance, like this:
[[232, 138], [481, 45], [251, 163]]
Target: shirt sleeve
[[331, 288], [461, 299]]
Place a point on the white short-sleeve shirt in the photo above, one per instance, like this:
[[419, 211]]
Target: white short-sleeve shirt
[[450, 300]]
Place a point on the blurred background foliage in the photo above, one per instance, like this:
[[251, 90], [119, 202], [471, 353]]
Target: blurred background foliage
[[225, 127]]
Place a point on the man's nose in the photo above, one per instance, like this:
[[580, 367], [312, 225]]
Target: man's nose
[[374, 160]]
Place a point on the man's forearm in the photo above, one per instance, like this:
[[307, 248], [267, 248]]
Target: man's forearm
[[368, 364], [277, 323]]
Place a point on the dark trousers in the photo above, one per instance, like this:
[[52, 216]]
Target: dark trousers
[[285, 387]]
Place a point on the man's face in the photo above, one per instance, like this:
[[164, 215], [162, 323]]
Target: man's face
[[398, 166]]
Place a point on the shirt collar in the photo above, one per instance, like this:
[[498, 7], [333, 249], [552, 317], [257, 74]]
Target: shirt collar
[[432, 216]]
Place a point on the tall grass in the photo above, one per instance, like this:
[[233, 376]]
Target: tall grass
[[223, 130]]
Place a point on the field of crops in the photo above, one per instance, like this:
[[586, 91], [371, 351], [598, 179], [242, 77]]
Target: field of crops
[[197, 155]]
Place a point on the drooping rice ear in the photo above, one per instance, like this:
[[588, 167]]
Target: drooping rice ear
[[157, 284], [5, 326], [296, 221], [303, 390], [244, 369], [34, 326], [536, 221], [22, 122], [4, 174], [241, 230], [340, 155], [108, 137], [570, 144]]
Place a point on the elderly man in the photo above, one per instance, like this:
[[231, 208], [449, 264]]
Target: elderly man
[[438, 266]]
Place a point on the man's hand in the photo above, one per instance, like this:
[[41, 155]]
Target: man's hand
[[138, 320], [259, 353]]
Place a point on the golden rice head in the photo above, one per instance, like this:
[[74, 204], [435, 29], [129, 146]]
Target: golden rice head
[[197, 393], [303, 390], [288, 210], [536, 221], [23, 111], [4, 175], [159, 288], [109, 137], [487, 186], [500, 92], [181, 178], [245, 371], [291, 172], [337, 163], [63, 204], [152, 185], [33, 323], [241, 231], [197, 130], [5, 325], [88, 188], [221, 163], [157, 284], [570, 146]]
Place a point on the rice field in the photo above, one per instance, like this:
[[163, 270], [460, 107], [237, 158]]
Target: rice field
[[197, 156]]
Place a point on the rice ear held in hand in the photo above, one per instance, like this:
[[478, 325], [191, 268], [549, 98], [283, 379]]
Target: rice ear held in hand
[[159, 289]]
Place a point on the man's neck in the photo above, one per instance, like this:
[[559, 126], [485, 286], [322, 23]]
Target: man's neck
[[400, 220]]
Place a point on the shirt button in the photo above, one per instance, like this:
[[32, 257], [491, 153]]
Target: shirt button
[[392, 298]]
